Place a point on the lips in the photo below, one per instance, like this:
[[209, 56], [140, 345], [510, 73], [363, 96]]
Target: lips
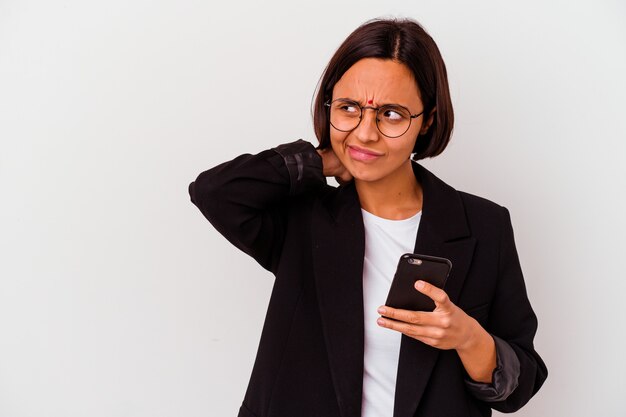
[[360, 154]]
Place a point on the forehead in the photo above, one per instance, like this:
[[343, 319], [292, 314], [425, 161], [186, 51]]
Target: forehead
[[383, 80]]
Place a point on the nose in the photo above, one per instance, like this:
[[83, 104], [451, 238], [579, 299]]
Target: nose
[[367, 131]]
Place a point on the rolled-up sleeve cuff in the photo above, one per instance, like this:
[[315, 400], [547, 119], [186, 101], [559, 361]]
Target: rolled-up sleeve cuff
[[505, 377], [304, 165]]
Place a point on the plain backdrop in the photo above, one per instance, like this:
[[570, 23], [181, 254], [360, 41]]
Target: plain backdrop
[[117, 297]]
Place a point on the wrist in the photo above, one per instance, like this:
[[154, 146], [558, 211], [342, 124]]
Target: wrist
[[477, 337], [322, 155], [328, 163]]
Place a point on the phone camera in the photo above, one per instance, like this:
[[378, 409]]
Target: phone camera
[[415, 261]]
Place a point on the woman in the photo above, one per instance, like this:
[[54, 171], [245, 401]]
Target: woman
[[325, 350]]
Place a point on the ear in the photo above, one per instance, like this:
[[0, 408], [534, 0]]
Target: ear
[[429, 121]]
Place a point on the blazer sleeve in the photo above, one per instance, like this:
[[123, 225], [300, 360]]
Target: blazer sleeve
[[504, 377], [246, 199], [514, 322]]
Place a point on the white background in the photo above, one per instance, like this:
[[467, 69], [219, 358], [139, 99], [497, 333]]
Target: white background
[[117, 297]]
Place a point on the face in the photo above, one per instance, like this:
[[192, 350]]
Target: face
[[365, 152]]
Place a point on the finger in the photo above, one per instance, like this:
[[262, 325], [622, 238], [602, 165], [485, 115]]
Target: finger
[[345, 175], [412, 330], [398, 326], [343, 179], [438, 295], [409, 316]]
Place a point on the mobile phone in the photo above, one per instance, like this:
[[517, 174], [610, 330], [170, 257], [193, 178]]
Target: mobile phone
[[413, 267]]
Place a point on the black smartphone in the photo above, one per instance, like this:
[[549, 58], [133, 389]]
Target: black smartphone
[[413, 267]]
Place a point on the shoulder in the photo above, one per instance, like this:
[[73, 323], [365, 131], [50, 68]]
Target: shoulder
[[475, 204], [445, 195], [485, 218]]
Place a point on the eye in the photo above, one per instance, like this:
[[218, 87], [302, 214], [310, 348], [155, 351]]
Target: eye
[[348, 108], [394, 114]]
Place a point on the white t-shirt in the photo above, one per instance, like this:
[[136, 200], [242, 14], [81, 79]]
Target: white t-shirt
[[385, 241]]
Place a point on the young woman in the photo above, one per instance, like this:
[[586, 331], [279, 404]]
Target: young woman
[[325, 350]]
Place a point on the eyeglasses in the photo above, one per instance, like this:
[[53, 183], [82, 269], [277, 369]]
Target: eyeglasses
[[392, 120]]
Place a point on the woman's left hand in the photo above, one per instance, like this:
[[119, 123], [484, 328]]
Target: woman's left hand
[[446, 327]]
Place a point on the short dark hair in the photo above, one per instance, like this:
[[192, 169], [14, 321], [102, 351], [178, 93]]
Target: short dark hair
[[404, 41]]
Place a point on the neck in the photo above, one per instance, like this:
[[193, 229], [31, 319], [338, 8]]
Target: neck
[[397, 196]]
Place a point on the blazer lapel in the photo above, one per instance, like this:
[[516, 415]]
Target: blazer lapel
[[338, 251], [443, 232]]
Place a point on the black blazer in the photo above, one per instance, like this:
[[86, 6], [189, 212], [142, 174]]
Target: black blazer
[[277, 207]]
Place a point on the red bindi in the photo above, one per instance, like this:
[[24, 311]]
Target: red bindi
[[370, 101]]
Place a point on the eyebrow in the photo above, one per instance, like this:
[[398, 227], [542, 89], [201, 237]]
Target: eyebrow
[[380, 105]]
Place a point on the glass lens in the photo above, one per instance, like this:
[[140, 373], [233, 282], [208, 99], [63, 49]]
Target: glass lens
[[393, 121], [344, 115]]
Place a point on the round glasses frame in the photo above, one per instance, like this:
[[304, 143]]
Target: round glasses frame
[[328, 104]]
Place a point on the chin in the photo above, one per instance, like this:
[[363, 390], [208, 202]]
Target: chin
[[365, 174], [376, 172]]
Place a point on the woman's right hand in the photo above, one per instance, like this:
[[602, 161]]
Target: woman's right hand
[[333, 167]]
